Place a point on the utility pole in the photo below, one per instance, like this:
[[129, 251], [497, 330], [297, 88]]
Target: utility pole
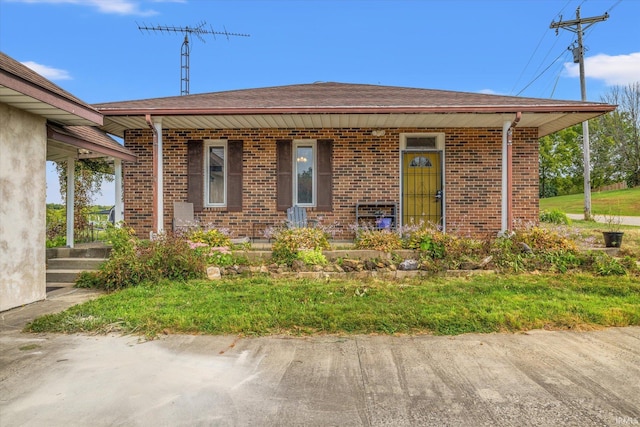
[[576, 26], [185, 50]]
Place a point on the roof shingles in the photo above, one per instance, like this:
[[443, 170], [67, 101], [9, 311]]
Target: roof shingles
[[338, 96]]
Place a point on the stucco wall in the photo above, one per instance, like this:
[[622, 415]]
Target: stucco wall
[[23, 149]]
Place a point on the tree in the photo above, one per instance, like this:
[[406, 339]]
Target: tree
[[604, 159], [89, 176], [560, 162], [614, 143], [618, 134]]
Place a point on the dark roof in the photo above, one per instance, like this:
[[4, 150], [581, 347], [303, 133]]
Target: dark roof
[[23, 88], [344, 105], [69, 118], [90, 138], [340, 97]]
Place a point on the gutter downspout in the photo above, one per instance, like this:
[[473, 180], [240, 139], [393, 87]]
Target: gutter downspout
[[154, 161], [507, 173]]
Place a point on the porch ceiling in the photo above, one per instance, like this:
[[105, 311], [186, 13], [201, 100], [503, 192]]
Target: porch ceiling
[[83, 142], [546, 123], [58, 152], [48, 106]]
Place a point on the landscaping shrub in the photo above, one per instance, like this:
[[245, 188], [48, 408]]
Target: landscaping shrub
[[539, 239], [604, 265], [554, 216], [428, 240], [171, 257], [56, 228], [289, 242], [213, 238], [56, 242], [312, 257], [443, 251], [380, 240], [133, 261]]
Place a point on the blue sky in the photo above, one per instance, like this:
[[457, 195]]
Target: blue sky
[[93, 48]]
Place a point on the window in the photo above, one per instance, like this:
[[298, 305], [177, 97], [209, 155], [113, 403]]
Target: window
[[420, 162], [421, 142], [304, 167], [304, 171], [215, 173]]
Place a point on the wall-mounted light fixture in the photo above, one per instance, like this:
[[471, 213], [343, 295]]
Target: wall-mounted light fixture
[[378, 132]]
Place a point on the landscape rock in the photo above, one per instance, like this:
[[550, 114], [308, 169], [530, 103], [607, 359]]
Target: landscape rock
[[352, 265], [214, 273], [408, 265]]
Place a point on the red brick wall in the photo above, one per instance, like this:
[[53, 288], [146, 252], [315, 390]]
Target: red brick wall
[[365, 168]]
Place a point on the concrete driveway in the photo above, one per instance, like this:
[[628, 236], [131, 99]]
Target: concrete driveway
[[541, 378]]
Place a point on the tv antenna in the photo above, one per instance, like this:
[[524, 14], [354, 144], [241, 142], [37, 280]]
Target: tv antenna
[[200, 30]]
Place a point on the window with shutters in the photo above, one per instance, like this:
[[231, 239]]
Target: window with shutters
[[215, 173], [304, 173]]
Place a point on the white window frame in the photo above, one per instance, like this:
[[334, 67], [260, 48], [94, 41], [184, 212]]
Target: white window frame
[[314, 177], [208, 144]]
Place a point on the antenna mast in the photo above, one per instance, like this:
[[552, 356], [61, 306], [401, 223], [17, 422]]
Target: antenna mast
[[200, 30], [576, 26]]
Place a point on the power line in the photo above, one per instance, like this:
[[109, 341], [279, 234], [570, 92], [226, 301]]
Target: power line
[[569, 25], [540, 75], [551, 49]]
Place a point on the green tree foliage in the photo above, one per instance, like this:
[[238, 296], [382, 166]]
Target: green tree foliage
[[614, 148], [618, 134], [560, 162], [89, 175]]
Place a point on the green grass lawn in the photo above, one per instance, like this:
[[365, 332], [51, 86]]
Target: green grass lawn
[[443, 306], [593, 230], [618, 202]]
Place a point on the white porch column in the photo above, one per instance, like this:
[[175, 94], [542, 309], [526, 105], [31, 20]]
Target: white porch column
[[505, 142], [71, 169], [119, 208], [157, 123]]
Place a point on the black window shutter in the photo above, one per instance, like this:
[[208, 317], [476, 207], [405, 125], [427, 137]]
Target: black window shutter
[[234, 176], [195, 170], [324, 197], [284, 171]]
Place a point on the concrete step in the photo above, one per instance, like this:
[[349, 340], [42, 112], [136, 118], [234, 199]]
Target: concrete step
[[63, 276], [74, 263], [57, 286], [64, 265], [92, 252]]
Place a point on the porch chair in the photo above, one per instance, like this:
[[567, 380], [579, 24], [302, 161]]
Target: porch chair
[[297, 218], [182, 215]]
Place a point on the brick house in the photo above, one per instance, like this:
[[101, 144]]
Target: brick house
[[466, 161]]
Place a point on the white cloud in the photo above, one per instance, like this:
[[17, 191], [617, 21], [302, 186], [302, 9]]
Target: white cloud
[[48, 72], [488, 91], [119, 7], [614, 70]]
